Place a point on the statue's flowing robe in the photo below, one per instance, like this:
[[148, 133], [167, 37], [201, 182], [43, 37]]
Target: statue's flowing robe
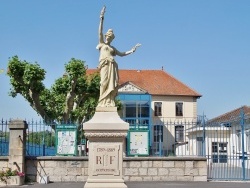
[[109, 75]]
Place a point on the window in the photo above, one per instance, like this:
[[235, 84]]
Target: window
[[179, 133], [136, 113], [214, 147], [144, 110], [248, 141], [158, 133], [223, 147], [137, 109], [179, 109], [130, 110], [219, 152], [158, 108]]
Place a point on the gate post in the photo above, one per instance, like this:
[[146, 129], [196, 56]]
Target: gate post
[[17, 144], [242, 123], [204, 136]]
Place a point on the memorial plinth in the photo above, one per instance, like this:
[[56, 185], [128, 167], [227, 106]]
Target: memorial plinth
[[106, 133]]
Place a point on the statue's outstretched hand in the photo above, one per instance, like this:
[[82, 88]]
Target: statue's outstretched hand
[[136, 46], [102, 12]]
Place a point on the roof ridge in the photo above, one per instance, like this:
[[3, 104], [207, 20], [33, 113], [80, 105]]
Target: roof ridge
[[227, 113]]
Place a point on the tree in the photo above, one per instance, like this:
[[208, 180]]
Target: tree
[[73, 97], [43, 137]]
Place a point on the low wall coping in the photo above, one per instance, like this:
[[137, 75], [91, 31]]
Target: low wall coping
[[165, 159], [58, 158], [85, 158], [4, 158]]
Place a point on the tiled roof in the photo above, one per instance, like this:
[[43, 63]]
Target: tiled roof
[[232, 115], [155, 82]]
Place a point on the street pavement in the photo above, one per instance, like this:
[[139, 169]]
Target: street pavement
[[149, 185]]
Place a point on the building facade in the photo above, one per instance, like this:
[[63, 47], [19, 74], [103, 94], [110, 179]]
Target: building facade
[[225, 141], [156, 102]]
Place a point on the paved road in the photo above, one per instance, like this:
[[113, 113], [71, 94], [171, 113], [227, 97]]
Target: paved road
[[151, 185]]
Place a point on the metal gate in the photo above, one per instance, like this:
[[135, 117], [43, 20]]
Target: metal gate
[[228, 148]]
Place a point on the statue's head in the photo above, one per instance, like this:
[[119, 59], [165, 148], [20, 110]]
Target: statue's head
[[110, 34]]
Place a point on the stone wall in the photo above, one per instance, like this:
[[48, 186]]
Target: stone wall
[[4, 160], [59, 169], [73, 169], [165, 169]]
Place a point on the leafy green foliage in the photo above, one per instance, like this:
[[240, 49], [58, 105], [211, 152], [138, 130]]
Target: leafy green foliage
[[73, 97], [25, 77], [42, 137]]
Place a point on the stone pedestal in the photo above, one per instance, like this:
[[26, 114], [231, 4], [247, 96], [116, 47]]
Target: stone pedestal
[[106, 133], [17, 144]]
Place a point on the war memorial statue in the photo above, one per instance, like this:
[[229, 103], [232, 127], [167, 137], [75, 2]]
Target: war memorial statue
[[106, 131], [108, 66]]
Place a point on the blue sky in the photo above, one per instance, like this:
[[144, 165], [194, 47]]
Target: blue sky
[[205, 44]]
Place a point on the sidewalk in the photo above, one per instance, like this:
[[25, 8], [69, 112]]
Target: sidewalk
[[152, 185]]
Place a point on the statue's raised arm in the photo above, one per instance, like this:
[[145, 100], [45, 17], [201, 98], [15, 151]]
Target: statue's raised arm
[[101, 40]]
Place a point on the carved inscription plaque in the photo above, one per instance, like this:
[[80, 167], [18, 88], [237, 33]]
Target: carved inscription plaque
[[106, 159]]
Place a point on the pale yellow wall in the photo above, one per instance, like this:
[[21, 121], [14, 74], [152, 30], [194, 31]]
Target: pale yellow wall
[[168, 115]]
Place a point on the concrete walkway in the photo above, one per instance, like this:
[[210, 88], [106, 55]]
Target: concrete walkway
[[152, 185]]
